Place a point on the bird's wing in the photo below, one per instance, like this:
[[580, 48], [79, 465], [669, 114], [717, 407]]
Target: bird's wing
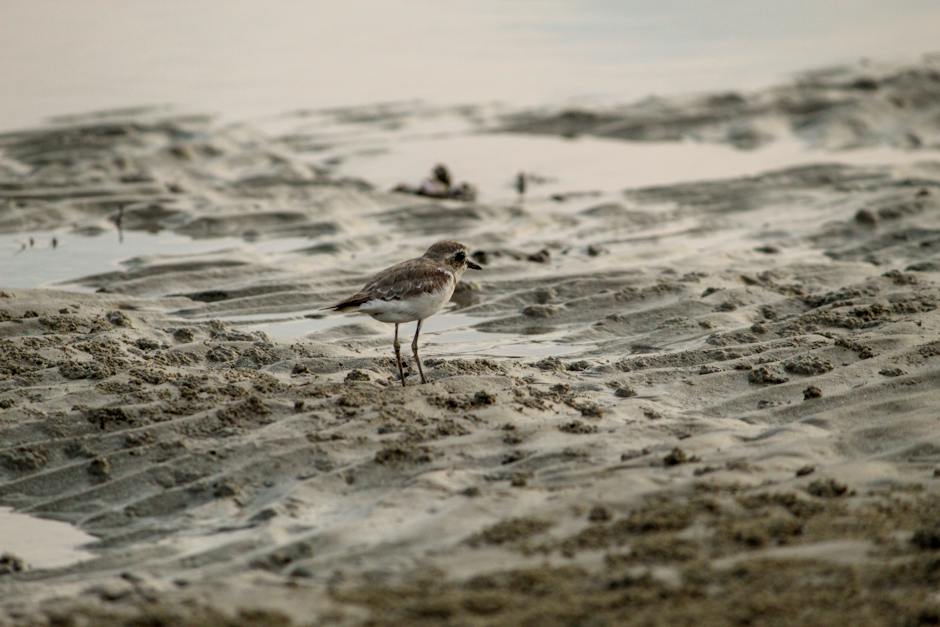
[[403, 280], [407, 279]]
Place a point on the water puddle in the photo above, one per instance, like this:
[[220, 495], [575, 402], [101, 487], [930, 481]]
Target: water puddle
[[449, 333], [491, 161], [42, 543], [468, 342], [55, 259]]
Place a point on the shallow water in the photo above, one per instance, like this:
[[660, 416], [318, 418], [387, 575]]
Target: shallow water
[[76, 255], [490, 161], [447, 333], [41, 543], [252, 58]]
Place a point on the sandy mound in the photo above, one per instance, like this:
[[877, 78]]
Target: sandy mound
[[835, 108]]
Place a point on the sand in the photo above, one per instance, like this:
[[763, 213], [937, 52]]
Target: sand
[[704, 402]]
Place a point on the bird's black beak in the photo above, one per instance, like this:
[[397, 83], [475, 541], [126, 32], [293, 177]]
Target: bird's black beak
[[473, 266]]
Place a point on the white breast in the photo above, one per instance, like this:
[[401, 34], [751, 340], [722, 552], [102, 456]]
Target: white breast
[[409, 309]]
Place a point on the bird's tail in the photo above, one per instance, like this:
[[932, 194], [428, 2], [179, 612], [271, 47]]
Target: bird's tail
[[350, 304]]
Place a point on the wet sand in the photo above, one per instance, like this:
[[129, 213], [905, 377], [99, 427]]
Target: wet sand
[[706, 401]]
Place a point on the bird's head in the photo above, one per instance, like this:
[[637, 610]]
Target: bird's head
[[452, 254]]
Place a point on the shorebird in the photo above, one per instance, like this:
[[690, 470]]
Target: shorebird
[[412, 290]]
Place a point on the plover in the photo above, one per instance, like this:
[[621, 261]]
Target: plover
[[412, 290]]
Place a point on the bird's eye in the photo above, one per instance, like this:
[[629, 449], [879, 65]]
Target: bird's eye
[[460, 256]]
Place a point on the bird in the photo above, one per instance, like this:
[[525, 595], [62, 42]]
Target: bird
[[412, 290]]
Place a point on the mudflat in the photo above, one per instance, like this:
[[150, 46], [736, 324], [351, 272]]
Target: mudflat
[[708, 401]]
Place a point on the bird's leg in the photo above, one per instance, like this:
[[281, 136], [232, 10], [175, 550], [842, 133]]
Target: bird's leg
[[414, 349], [401, 372]]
